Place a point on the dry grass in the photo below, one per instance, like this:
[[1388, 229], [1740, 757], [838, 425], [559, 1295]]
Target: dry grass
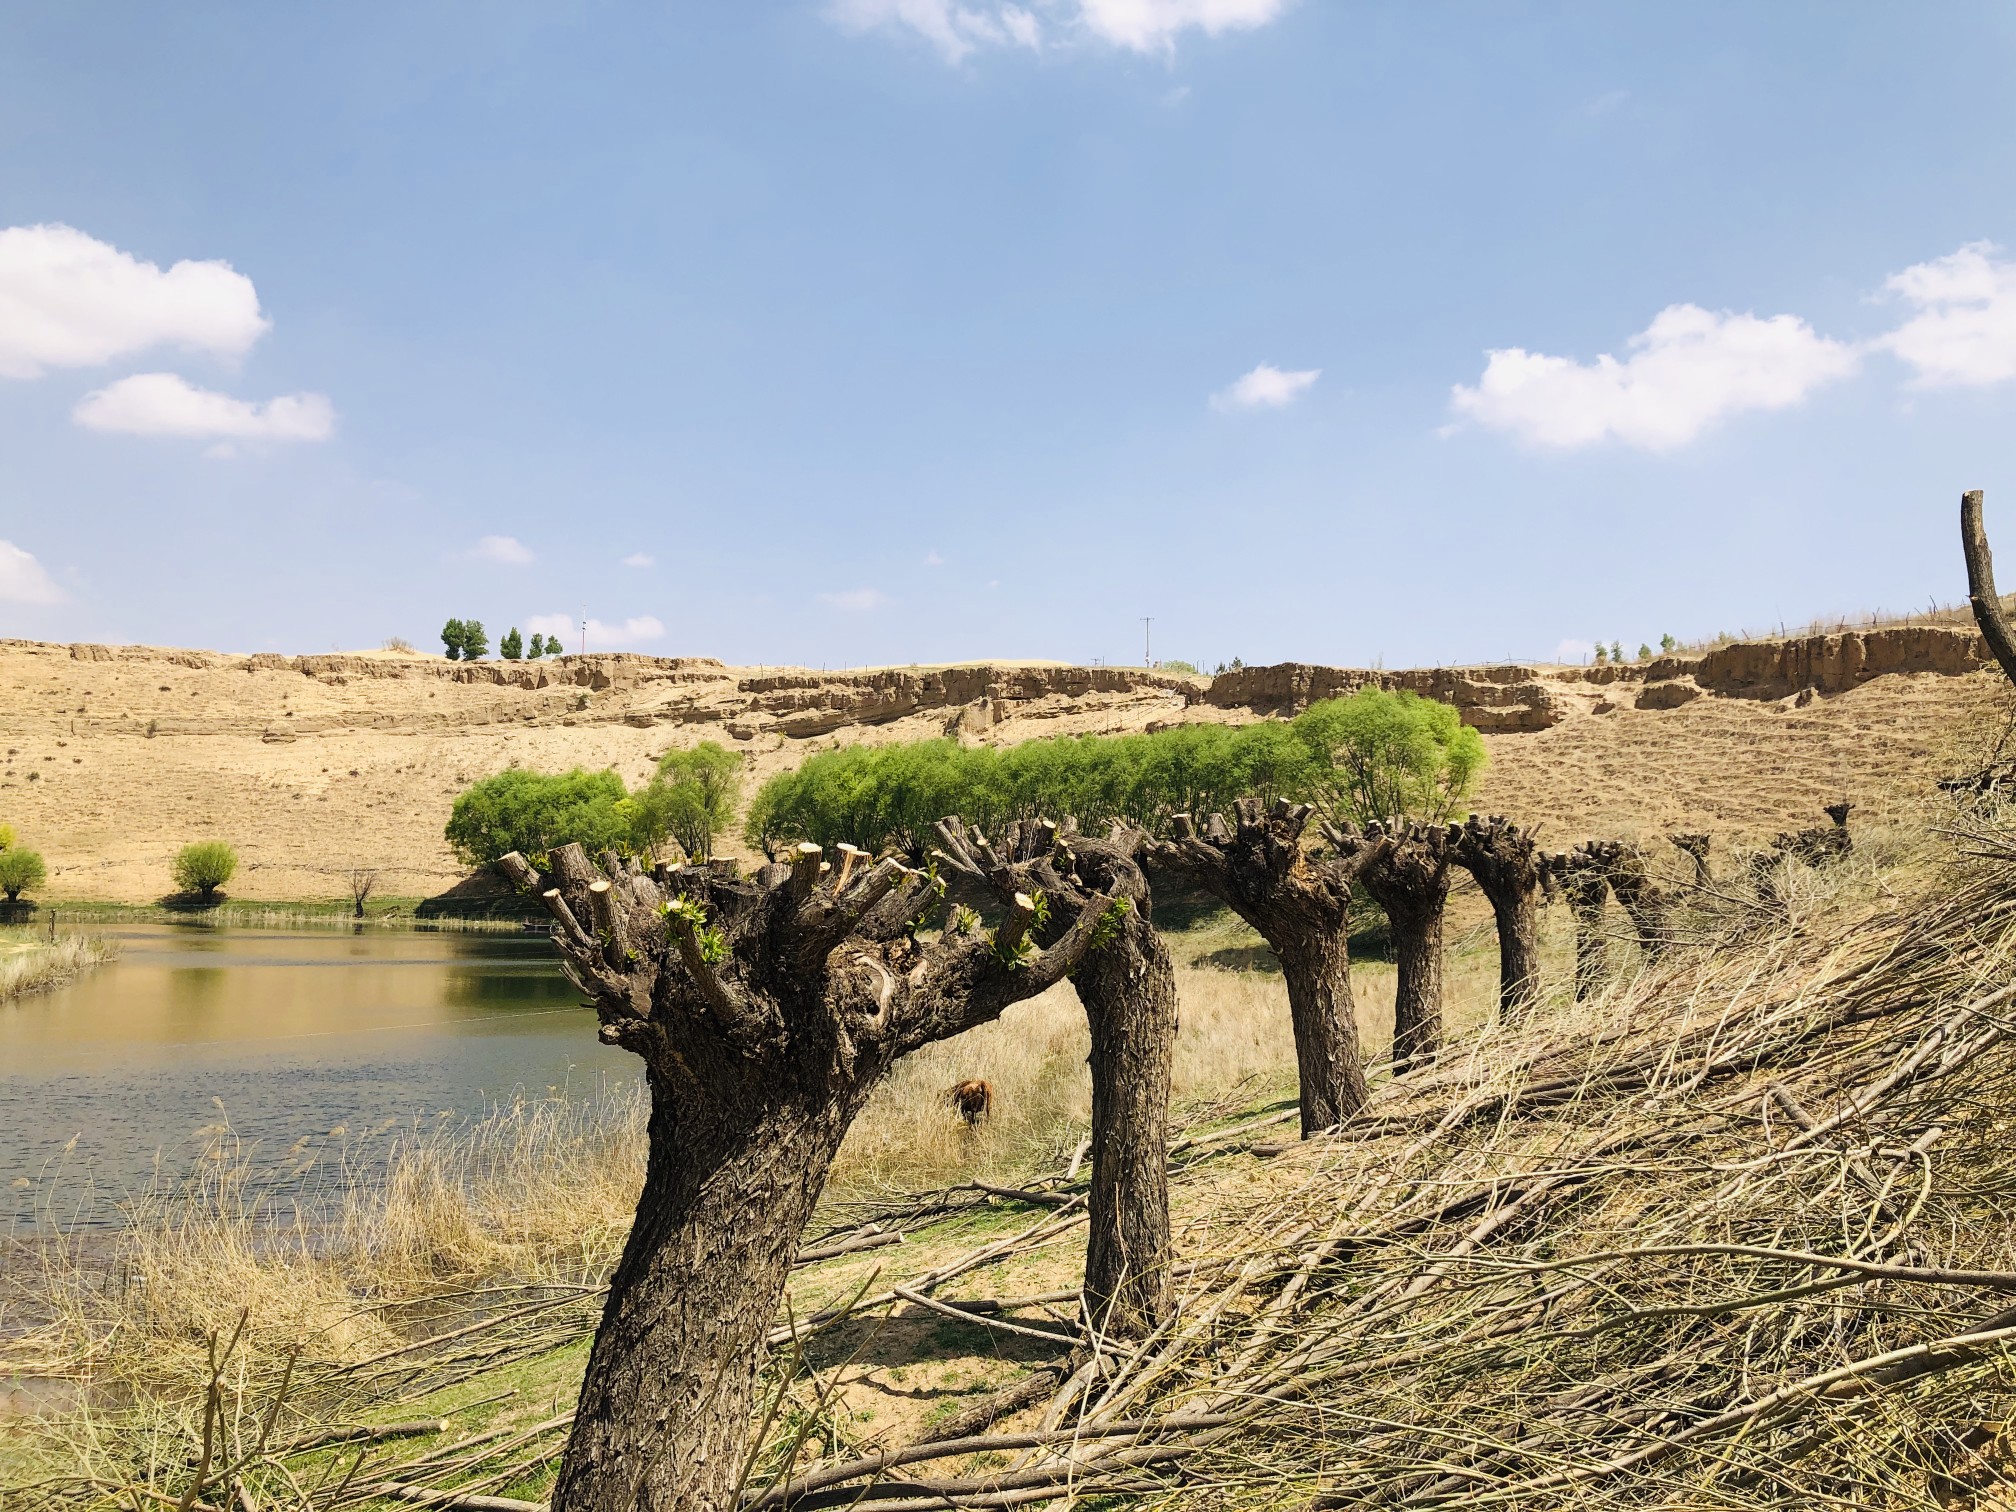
[[30, 962], [1384, 1290]]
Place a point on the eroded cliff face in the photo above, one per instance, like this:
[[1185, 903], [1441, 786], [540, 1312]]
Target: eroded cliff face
[[1511, 699], [1497, 700], [115, 756]]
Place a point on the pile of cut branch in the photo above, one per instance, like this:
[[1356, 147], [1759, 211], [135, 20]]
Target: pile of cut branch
[[1736, 1235]]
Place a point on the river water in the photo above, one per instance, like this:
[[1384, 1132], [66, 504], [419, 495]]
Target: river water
[[324, 1035]]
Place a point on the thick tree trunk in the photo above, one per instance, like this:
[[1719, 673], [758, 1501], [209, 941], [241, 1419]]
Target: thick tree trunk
[[1518, 916], [664, 1414], [1585, 902], [1316, 966], [1129, 992], [1302, 908], [1417, 994]]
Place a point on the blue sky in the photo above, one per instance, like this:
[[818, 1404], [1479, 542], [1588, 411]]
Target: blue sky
[[906, 330]]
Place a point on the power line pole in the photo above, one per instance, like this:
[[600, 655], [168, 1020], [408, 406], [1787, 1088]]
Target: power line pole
[[584, 632], [1147, 646]]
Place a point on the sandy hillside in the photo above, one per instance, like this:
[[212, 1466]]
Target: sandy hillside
[[116, 756]]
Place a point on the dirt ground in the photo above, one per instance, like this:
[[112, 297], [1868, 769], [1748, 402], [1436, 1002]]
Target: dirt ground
[[115, 757]]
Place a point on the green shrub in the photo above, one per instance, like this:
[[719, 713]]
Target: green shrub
[[512, 647], [1380, 755], [8, 839], [1644, 652], [20, 870], [1180, 666], [205, 866], [692, 797], [531, 812]]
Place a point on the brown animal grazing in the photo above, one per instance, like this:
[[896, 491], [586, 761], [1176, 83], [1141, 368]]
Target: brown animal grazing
[[973, 1100]]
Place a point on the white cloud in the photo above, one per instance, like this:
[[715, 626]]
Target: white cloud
[[163, 404], [1574, 651], [505, 551], [955, 30], [855, 600], [1690, 368], [958, 30], [70, 300], [1965, 330], [602, 636], [639, 559], [1266, 387], [932, 559], [22, 579], [1152, 25]]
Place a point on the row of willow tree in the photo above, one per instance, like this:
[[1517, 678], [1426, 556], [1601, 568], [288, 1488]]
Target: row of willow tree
[[914, 892], [766, 1008]]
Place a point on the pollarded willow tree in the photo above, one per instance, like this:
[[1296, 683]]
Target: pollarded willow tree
[[1127, 984], [1585, 880], [764, 1011], [1405, 868], [1302, 908], [1506, 863]]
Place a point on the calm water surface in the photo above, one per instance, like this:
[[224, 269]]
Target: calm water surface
[[344, 1040]]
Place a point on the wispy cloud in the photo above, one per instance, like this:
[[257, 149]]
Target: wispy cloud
[[603, 635], [165, 404], [1686, 371], [1964, 333], [639, 559], [505, 551], [1574, 651], [855, 600], [70, 300], [23, 580], [932, 559], [1266, 387], [958, 30]]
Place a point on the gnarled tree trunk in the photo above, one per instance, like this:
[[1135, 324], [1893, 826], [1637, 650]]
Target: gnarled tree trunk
[[1981, 594], [1696, 847], [1502, 858], [1585, 881], [1405, 867], [1302, 909], [1127, 984], [1638, 890], [764, 1012]]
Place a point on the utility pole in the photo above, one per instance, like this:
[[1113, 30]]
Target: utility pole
[[584, 632], [1147, 648]]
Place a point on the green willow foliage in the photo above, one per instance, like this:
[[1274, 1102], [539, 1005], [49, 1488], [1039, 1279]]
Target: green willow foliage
[[531, 812], [1374, 755]]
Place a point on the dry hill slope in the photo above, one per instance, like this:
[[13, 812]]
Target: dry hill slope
[[115, 756]]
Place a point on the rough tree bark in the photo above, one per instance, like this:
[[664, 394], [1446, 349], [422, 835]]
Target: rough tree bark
[[1696, 847], [1586, 883], [1302, 909], [1127, 984], [1502, 858], [1981, 594], [1639, 891], [764, 1012], [1405, 867]]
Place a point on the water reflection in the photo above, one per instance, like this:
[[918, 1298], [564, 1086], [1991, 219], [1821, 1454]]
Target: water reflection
[[294, 1032]]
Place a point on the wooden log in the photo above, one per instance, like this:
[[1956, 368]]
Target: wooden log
[[805, 859], [1021, 914]]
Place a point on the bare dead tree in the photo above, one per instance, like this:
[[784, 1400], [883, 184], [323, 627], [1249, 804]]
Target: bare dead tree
[[1127, 984], [362, 881], [1302, 909], [1585, 881], [1405, 867], [1981, 594], [1696, 847], [764, 1011], [1506, 863]]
